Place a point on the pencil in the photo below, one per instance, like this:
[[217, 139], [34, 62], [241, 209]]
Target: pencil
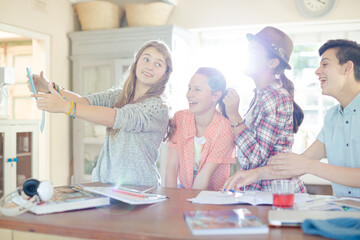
[[130, 193]]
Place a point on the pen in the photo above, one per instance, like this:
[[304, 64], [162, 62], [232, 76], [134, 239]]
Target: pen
[[234, 191]]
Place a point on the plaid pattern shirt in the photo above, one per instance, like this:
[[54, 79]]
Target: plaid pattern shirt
[[270, 132]]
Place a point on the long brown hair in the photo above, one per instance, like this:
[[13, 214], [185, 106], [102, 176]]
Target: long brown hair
[[128, 90], [298, 114]]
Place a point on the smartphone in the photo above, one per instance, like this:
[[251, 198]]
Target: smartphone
[[31, 80], [29, 73]]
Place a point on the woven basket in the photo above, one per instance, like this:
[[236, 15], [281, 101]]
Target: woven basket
[[95, 15], [152, 14]]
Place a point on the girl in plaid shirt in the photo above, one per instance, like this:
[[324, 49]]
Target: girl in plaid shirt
[[273, 117]]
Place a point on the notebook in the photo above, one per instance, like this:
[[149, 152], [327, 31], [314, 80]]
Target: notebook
[[67, 198], [296, 217]]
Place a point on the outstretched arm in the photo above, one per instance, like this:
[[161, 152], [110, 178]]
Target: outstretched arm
[[54, 103], [42, 86], [282, 165], [295, 164]]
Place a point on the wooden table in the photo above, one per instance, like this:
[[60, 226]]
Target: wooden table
[[162, 220]]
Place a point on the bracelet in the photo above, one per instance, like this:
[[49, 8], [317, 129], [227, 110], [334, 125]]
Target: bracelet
[[72, 106], [238, 124], [73, 115]]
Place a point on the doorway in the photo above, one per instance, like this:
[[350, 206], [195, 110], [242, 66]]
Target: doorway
[[20, 48]]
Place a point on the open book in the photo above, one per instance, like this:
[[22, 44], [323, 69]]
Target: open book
[[215, 222], [67, 198], [249, 197], [329, 203], [130, 196]]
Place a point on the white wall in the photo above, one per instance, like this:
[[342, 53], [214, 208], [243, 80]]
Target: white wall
[[54, 18]]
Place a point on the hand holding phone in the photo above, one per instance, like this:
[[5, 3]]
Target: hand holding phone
[[29, 72]]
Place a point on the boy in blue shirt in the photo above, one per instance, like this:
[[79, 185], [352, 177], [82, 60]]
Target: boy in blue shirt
[[339, 139]]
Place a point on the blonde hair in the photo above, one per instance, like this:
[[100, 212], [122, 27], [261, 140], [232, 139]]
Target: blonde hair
[[128, 90]]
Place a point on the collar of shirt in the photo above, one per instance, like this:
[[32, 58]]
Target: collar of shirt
[[191, 130], [277, 84], [352, 108]]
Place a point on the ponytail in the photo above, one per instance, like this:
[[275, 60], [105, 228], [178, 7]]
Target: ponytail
[[221, 105], [298, 114], [216, 82]]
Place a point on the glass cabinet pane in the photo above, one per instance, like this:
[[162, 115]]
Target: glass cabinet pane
[[24, 156], [91, 155], [97, 78]]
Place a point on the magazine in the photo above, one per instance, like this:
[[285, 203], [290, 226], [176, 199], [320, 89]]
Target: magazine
[[231, 221], [329, 203], [248, 197], [130, 196], [346, 203], [67, 198]]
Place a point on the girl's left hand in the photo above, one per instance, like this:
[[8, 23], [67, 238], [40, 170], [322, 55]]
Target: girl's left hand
[[52, 102]]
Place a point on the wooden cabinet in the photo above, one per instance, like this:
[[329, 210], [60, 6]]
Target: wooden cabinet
[[19, 153], [100, 60]]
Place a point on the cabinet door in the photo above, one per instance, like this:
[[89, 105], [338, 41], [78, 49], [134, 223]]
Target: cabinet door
[[19, 155], [26, 138], [93, 76], [24, 157], [8, 166]]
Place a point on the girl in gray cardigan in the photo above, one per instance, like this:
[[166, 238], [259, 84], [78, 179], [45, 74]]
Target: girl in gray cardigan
[[136, 117]]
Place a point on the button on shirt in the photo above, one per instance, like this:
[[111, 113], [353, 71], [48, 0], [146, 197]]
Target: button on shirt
[[341, 137]]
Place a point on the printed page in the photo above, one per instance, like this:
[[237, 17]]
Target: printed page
[[249, 197]]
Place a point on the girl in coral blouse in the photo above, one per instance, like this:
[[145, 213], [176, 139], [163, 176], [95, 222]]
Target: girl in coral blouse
[[201, 147]]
